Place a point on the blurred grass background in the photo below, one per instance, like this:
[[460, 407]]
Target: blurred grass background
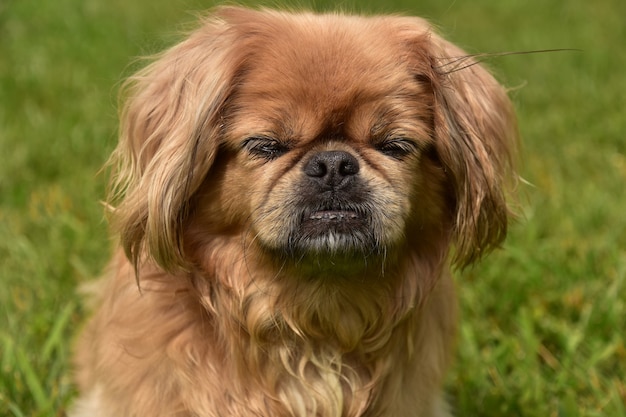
[[544, 321]]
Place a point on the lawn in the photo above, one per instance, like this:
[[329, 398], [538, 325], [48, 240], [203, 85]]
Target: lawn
[[543, 320]]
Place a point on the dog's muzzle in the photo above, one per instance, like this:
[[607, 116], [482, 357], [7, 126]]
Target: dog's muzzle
[[333, 202]]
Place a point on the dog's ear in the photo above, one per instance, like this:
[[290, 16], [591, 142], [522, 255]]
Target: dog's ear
[[475, 138], [170, 125]]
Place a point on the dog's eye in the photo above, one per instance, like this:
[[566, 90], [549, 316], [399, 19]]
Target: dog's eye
[[397, 148], [264, 147]]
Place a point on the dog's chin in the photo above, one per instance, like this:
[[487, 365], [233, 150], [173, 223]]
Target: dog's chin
[[341, 240]]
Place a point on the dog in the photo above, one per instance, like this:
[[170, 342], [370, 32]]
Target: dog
[[291, 192]]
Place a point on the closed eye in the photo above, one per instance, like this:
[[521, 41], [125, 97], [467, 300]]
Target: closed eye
[[264, 147], [397, 148]]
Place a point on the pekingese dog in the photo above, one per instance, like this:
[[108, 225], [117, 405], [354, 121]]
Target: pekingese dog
[[290, 191]]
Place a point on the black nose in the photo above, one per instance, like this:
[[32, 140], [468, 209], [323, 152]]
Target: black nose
[[332, 169]]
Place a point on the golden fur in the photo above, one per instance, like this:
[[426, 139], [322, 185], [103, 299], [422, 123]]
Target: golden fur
[[290, 189]]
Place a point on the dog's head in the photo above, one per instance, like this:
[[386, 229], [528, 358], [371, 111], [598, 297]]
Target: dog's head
[[313, 137]]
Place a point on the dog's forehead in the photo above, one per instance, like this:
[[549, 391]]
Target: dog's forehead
[[323, 62], [321, 76]]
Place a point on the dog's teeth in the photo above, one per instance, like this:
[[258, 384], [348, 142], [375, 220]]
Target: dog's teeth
[[333, 215]]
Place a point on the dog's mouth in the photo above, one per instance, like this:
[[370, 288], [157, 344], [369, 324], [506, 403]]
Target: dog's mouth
[[333, 229], [335, 216]]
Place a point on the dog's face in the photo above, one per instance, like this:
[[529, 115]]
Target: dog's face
[[314, 138], [332, 152]]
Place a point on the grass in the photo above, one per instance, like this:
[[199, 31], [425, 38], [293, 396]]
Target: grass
[[544, 320]]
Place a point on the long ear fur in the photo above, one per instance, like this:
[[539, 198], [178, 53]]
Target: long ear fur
[[475, 138], [169, 137]]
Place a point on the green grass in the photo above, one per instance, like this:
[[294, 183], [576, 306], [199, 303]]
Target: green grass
[[544, 320]]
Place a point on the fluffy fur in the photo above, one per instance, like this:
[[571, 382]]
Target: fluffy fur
[[290, 191]]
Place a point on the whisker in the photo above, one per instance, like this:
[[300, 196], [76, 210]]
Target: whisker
[[481, 57]]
